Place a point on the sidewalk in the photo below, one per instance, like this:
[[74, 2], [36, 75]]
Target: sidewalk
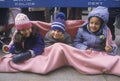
[[62, 74]]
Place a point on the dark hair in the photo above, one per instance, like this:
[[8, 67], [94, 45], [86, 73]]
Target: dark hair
[[35, 31], [19, 37]]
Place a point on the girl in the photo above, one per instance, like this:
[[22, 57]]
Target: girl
[[93, 34], [57, 32], [27, 41]]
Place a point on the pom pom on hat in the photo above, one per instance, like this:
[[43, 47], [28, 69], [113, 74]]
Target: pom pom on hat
[[60, 15], [22, 21], [59, 22]]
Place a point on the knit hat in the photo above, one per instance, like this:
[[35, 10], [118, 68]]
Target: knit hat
[[59, 22], [101, 12], [22, 21]]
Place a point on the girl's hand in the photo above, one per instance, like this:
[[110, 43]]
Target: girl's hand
[[108, 49]]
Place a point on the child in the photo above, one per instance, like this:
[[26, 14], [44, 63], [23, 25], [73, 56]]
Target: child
[[57, 32], [27, 41], [93, 34]]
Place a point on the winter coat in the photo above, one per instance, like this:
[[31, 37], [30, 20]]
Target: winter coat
[[85, 39], [31, 43], [49, 40]]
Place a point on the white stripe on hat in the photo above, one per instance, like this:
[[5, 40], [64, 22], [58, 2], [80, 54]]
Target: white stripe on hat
[[58, 26], [59, 23]]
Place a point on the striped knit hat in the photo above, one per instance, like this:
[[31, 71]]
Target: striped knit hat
[[59, 22]]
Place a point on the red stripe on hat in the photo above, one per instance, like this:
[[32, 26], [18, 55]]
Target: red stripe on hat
[[23, 26]]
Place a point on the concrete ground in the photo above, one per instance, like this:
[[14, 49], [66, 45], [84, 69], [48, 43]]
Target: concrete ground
[[61, 74]]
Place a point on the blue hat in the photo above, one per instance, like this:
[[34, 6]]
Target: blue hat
[[59, 22]]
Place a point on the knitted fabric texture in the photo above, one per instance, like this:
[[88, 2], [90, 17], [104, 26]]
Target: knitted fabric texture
[[59, 22], [22, 22]]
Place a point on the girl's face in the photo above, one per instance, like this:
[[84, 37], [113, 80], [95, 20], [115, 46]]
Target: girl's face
[[56, 34], [94, 24], [26, 32]]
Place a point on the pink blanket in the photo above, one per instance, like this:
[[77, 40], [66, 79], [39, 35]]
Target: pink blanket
[[58, 55], [86, 62]]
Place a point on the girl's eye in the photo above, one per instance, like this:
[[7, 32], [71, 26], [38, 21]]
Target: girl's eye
[[91, 22]]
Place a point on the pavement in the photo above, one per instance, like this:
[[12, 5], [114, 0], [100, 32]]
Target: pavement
[[61, 74]]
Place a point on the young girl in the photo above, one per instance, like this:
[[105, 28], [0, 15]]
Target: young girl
[[27, 41], [93, 34], [57, 32]]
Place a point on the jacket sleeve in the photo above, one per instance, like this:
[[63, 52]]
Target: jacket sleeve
[[12, 49], [38, 48], [111, 43], [16, 48], [78, 41]]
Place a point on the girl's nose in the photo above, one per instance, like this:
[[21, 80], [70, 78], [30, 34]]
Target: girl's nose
[[93, 25], [56, 32]]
